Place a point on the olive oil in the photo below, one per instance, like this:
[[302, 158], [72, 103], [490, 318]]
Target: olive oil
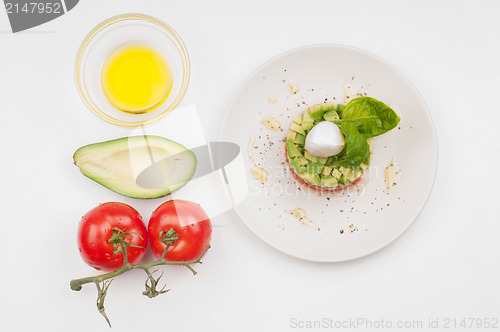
[[136, 78]]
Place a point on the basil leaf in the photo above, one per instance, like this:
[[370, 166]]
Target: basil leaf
[[372, 117], [334, 161], [357, 149]]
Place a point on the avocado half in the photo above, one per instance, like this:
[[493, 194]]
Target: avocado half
[[321, 174], [118, 163]]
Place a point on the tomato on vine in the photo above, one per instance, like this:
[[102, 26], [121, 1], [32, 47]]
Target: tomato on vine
[[102, 231], [189, 221], [180, 234]]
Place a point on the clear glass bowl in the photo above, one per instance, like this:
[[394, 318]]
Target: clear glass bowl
[[114, 33]]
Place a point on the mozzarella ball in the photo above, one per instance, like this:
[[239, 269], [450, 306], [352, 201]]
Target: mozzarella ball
[[325, 140]]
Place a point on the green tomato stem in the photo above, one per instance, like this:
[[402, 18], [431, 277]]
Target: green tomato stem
[[101, 294], [120, 245], [76, 284]]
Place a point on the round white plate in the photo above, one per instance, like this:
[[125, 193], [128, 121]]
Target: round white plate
[[357, 221]]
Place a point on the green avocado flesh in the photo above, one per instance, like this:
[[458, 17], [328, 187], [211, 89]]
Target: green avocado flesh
[[118, 163], [322, 172]]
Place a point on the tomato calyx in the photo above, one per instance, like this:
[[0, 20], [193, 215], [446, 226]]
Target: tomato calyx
[[118, 240], [168, 237], [151, 290]]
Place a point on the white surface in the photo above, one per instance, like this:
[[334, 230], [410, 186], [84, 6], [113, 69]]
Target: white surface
[[368, 215], [445, 266]]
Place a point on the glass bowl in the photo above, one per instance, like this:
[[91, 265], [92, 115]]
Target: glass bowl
[[117, 32]]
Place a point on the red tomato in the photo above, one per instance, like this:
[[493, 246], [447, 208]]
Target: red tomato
[[191, 224], [96, 227]]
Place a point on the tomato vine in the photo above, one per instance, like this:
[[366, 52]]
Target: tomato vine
[[118, 239]]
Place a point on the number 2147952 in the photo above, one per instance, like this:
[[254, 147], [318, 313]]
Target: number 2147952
[[470, 323], [34, 7]]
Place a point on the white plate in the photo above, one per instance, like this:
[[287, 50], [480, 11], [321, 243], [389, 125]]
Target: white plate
[[358, 221]]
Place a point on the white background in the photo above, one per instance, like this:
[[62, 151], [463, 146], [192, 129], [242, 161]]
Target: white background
[[445, 266]]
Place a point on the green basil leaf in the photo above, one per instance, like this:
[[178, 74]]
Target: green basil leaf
[[372, 117], [357, 149], [334, 161]]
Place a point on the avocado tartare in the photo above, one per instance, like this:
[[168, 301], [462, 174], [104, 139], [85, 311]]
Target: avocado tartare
[[335, 156]]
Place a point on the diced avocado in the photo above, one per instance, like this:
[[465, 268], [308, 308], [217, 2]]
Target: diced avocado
[[291, 135], [302, 169], [310, 156], [307, 125], [329, 182], [298, 119], [322, 160], [326, 171], [345, 170], [292, 149], [314, 168], [316, 112], [298, 162], [299, 139], [336, 173], [356, 173], [331, 116], [350, 174], [302, 161], [294, 163], [297, 128], [307, 116], [136, 166], [328, 106], [312, 178], [351, 177]]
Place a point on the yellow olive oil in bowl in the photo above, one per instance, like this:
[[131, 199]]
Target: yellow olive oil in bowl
[[136, 78], [132, 70]]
